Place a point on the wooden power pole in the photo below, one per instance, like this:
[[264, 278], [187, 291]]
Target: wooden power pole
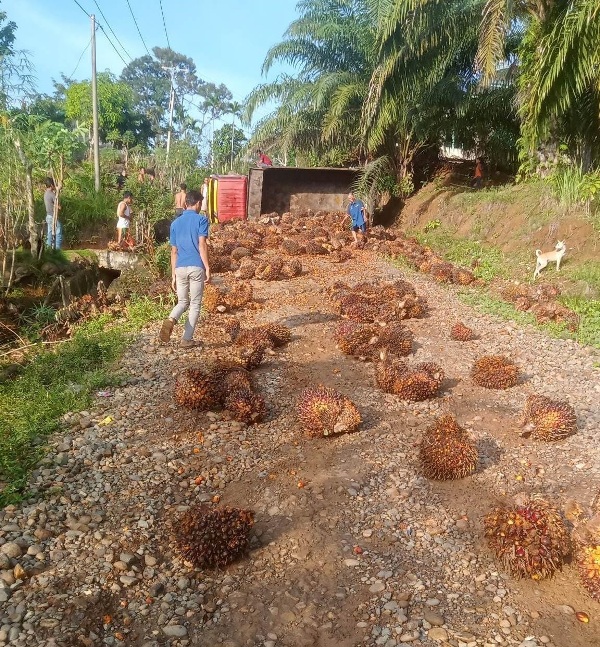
[[96, 137]]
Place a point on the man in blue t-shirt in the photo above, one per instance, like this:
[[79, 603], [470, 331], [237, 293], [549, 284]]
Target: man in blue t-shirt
[[356, 212], [189, 268]]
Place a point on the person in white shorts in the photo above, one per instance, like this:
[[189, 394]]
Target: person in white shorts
[[124, 215]]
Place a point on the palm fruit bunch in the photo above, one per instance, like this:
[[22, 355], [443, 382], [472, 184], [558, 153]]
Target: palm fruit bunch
[[515, 291], [244, 405], [397, 290], [271, 241], [460, 332], [340, 255], [254, 337], [212, 298], [323, 412], [447, 452], [358, 307], [197, 389], [588, 565], [251, 356], [495, 372], [240, 252], [417, 383], [441, 271], [239, 295], [246, 269], [278, 333], [552, 420], [291, 247], [388, 313], [530, 538], [356, 339], [291, 268], [269, 270], [461, 276], [315, 249], [219, 262], [231, 327], [412, 307], [395, 339], [235, 378], [214, 536]]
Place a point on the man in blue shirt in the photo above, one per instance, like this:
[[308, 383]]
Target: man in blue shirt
[[356, 211], [189, 268]]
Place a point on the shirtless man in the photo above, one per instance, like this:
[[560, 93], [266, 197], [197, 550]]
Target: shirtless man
[[124, 215], [180, 199]]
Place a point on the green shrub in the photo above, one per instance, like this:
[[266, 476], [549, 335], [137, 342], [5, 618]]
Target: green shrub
[[162, 259]]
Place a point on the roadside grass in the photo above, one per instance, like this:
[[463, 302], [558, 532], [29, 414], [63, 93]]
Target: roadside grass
[[61, 379], [487, 262]]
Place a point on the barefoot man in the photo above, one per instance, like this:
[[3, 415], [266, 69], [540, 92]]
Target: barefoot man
[[180, 199], [124, 216]]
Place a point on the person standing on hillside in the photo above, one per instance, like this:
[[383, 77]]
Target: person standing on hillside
[[189, 268], [356, 213], [478, 179], [180, 199], [54, 225], [124, 216]]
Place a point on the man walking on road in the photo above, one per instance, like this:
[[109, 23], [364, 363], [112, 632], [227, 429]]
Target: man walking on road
[[189, 268], [356, 213], [54, 225]]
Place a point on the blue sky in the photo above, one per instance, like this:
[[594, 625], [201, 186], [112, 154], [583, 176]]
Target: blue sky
[[227, 39]]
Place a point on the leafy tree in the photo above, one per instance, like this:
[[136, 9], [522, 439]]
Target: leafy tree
[[228, 143], [15, 68], [117, 119]]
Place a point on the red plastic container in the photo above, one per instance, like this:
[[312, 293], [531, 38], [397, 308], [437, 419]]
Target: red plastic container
[[232, 193]]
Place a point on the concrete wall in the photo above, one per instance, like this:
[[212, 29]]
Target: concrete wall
[[298, 189]]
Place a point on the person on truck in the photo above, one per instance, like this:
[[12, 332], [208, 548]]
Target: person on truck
[[180, 199], [264, 161]]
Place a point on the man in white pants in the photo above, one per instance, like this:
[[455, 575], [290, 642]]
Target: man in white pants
[[189, 268]]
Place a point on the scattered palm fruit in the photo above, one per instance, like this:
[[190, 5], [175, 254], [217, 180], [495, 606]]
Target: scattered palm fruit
[[278, 333], [416, 384], [291, 247], [247, 269], [588, 565], [269, 270], [291, 268], [214, 536], [531, 539], [315, 249], [551, 419], [495, 372], [323, 412], [447, 452], [460, 332], [239, 295]]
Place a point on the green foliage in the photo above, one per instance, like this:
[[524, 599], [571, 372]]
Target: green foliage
[[53, 383], [589, 319], [162, 259], [432, 225], [486, 262], [224, 154]]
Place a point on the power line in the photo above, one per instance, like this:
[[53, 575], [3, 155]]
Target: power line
[[112, 30], [79, 61], [164, 23], [137, 27], [82, 9], [113, 45]]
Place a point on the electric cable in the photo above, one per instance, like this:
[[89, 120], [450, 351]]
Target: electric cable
[[137, 27], [82, 9], [112, 30], [79, 60], [164, 23], [112, 44]]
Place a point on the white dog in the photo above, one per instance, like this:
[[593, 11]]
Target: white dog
[[549, 257]]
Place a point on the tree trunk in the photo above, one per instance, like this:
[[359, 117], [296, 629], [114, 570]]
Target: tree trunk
[[33, 230]]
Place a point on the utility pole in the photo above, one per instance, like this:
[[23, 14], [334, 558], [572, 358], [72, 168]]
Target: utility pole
[[96, 137], [172, 71]]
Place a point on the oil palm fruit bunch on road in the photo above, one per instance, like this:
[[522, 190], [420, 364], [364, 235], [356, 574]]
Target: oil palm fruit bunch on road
[[324, 412], [495, 372], [198, 389], [354, 338], [460, 332], [415, 383], [588, 566], [447, 452], [551, 419], [529, 538], [214, 536]]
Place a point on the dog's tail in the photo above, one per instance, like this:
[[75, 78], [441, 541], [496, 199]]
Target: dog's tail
[[538, 252]]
